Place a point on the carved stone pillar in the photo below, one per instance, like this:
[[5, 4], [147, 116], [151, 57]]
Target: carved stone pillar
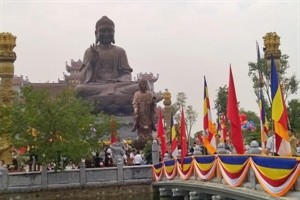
[[7, 58], [271, 43]]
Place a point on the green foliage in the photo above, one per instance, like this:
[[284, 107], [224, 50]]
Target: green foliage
[[54, 127], [294, 115], [148, 152], [221, 100], [260, 74], [191, 114]]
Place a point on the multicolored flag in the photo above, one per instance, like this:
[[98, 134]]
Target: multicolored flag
[[264, 125], [183, 140], [174, 148], [161, 135], [233, 117], [209, 140], [279, 115]]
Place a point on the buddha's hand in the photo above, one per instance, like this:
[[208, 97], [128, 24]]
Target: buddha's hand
[[94, 55]]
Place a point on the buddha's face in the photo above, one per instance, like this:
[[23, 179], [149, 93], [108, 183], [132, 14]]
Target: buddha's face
[[105, 34]]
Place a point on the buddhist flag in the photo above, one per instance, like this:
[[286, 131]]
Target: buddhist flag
[[279, 115], [183, 140], [264, 125], [174, 148], [161, 135], [233, 117], [209, 140]]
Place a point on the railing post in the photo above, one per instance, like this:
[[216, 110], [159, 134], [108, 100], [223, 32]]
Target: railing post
[[155, 154], [4, 180], [120, 172], [82, 174], [44, 177]]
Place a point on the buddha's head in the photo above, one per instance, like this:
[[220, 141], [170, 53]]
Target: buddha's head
[[105, 31]]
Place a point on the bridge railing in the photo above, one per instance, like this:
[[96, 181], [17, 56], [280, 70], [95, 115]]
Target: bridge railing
[[275, 175]]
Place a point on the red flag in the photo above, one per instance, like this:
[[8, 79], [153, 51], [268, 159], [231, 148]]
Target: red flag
[[233, 116], [161, 135], [183, 141], [113, 131]]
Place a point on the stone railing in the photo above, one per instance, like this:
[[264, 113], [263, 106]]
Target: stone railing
[[83, 177]]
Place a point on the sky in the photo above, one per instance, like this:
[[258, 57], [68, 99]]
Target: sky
[[182, 41]]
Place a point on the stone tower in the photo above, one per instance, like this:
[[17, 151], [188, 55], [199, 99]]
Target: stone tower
[[7, 58]]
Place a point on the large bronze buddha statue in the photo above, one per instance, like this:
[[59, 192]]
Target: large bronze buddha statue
[[105, 73]]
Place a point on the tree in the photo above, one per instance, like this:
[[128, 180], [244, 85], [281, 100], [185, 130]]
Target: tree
[[191, 118], [221, 100], [294, 114], [260, 75], [190, 113], [57, 127]]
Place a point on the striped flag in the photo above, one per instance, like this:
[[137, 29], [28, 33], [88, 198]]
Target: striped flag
[[264, 125], [174, 148], [279, 115], [233, 116], [161, 135], [209, 140]]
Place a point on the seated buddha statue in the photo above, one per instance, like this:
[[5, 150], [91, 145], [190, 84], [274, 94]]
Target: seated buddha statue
[[105, 74]]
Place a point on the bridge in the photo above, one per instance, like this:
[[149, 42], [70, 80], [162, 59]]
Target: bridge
[[228, 177], [197, 177]]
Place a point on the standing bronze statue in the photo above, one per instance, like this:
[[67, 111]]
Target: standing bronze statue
[[105, 73], [144, 105]]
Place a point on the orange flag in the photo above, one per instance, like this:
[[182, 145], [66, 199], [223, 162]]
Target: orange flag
[[233, 117]]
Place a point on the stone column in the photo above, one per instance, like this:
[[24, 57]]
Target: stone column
[[82, 174], [155, 153], [7, 58], [3, 178], [44, 177], [120, 175]]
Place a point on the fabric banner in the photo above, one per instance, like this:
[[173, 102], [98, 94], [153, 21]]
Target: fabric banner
[[233, 168], [170, 169], [276, 175], [185, 169], [205, 166], [158, 171]]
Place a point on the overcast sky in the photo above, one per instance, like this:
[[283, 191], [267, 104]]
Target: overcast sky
[[182, 41]]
